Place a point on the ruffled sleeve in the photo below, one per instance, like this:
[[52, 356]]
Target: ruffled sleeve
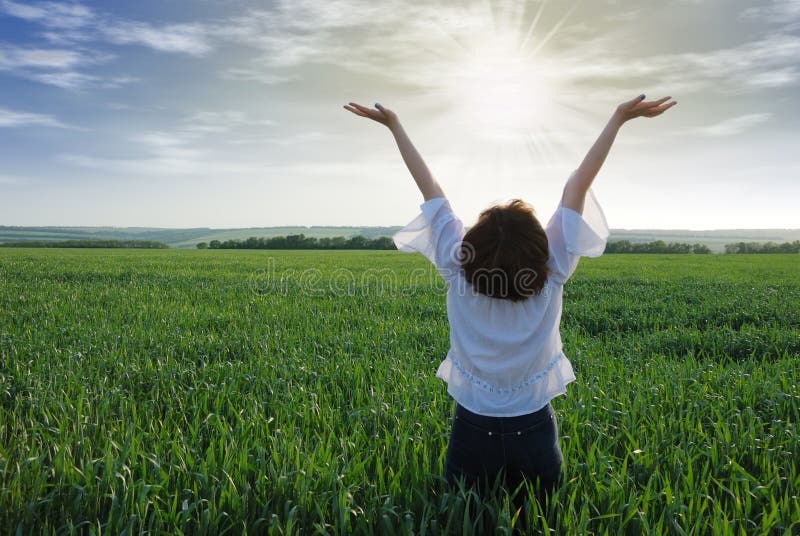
[[436, 233], [571, 235]]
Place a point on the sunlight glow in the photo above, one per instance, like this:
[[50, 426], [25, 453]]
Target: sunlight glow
[[502, 91], [517, 110]]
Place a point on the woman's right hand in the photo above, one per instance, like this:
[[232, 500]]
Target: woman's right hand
[[638, 107], [380, 114]]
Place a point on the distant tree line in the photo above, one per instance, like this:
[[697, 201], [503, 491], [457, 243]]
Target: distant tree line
[[763, 247], [658, 246], [301, 241], [139, 244]]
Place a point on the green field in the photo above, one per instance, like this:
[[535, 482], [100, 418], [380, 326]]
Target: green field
[[206, 392]]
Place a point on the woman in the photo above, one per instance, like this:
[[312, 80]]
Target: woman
[[504, 296]]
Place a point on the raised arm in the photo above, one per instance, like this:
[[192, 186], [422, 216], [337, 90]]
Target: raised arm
[[576, 188], [416, 165]]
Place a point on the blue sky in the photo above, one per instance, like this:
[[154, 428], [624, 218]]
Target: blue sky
[[229, 113]]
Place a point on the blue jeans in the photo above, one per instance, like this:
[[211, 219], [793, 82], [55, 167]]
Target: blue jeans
[[514, 449]]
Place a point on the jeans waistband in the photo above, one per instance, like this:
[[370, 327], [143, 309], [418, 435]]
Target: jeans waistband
[[501, 425]]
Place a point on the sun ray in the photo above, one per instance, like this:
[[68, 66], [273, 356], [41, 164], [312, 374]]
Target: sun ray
[[547, 150], [514, 18], [451, 39], [512, 104], [532, 27], [490, 5], [553, 31]]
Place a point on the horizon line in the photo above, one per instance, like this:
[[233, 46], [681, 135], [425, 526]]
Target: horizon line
[[300, 226]]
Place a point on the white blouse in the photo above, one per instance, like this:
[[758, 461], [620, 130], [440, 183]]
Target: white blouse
[[505, 357]]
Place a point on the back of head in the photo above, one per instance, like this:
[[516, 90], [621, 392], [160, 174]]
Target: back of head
[[504, 254]]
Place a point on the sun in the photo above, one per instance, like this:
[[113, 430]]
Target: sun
[[500, 89], [504, 86], [508, 100]]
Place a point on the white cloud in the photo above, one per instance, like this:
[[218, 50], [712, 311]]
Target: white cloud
[[383, 40], [284, 48], [195, 146], [776, 78], [11, 118], [172, 162], [255, 74], [312, 16], [362, 35], [74, 22], [58, 67], [74, 80], [733, 126], [64, 79], [624, 15], [295, 139], [202, 125], [215, 143], [751, 66], [368, 36], [185, 38], [50, 14], [67, 37], [224, 120], [12, 57], [782, 12], [158, 166]]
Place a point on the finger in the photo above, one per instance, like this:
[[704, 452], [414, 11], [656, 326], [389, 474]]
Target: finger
[[372, 114], [357, 112], [654, 112], [663, 107], [362, 108], [650, 104], [633, 102]]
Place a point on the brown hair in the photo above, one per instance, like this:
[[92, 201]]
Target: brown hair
[[504, 254]]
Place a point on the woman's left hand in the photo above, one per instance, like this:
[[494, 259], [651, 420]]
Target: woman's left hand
[[380, 114], [638, 107]]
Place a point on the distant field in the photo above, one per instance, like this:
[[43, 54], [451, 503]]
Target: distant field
[[188, 238], [715, 240], [294, 392], [181, 238]]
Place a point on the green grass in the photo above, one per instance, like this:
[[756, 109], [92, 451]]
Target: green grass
[[206, 392]]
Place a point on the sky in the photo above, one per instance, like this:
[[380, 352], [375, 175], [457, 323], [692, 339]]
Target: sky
[[229, 113]]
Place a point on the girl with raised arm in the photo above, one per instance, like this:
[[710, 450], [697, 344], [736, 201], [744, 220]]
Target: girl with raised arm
[[504, 279]]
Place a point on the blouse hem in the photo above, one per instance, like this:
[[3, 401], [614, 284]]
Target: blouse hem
[[534, 407], [472, 392]]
